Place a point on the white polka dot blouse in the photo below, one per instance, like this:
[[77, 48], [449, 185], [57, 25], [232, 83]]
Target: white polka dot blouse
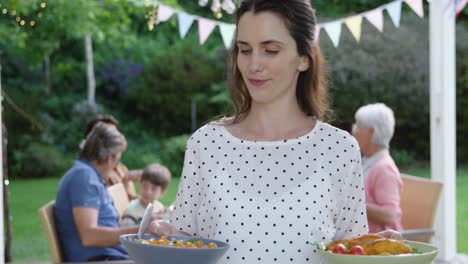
[[271, 200]]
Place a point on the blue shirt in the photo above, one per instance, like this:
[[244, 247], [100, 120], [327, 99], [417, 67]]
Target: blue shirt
[[81, 186]]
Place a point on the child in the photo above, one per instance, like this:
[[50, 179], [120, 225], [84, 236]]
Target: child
[[153, 186]]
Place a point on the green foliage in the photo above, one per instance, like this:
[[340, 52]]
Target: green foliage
[[142, 150], [172, 155], [339, 8], [171, 82], [392, 68], [175, 72], [462, 91], [403, 158], [39, 161]]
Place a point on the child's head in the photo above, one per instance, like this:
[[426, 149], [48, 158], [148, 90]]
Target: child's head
[[154, 182]]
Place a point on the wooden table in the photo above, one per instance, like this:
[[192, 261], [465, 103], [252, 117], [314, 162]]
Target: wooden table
[[107, 262]]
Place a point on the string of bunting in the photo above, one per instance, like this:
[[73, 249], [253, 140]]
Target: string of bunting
[[332, 28], [217, 7]]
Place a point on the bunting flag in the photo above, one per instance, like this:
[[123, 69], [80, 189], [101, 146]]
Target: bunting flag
[[185, 22], [375, 17], [333, 30], [355, 24], [417, 6], [205, 27], [164, 13], [394, 10], [460, 5], [227, 33]]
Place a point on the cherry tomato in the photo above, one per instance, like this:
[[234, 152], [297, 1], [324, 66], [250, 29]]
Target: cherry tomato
[[357, 250], [339, 249]]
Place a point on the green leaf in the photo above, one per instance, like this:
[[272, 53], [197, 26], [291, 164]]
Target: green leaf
[[193, 240], [320, 246]]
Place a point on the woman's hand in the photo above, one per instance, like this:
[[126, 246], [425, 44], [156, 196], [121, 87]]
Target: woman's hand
[[162, 228], [391, 234], [158, 215]]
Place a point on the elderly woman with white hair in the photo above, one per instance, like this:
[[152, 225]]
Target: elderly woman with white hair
[[374, 128]]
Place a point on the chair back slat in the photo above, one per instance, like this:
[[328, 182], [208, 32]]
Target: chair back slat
[[119, 196], [46, 214], [419, 199]]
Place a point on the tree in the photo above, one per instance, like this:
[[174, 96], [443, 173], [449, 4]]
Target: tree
[[57, 21]]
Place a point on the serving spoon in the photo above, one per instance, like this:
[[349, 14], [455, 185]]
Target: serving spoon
[[145, 221]]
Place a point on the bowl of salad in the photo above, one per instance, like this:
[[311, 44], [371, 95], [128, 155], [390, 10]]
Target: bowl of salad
[[371, 249]]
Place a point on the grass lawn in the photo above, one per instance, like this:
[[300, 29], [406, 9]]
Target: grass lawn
[[462, 207], [26, 197], [29, 242]]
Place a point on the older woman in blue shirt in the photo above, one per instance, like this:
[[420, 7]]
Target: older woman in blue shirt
[[87, 222]]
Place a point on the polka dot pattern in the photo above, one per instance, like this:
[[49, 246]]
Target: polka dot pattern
[[271, 200]]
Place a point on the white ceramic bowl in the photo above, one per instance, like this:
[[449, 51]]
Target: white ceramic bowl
[[426, 254], [150, 254]]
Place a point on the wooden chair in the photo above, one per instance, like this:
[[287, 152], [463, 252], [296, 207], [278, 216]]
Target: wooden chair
[[119, 196], [46, 214], [419, 199]]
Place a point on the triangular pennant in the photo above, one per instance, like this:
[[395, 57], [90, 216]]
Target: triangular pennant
[[317, 33], [460, 5], [229, 6], [375, 17], [417, 6], [164, 13], [185, 21], [227, 33], [394, 10], [355, 26], [334, 31], [205, 27]]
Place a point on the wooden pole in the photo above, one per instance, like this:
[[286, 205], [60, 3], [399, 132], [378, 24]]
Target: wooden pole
[[90, 69], [443, 133], [6, 198], [2, 247]]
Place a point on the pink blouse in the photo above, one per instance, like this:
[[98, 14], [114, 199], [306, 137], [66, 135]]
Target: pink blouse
[[383, 186]]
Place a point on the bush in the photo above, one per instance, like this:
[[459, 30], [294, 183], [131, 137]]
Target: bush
[[390, 67], [462, 91], [393, 68], [173, 153], [115, 78], [171, 82], [142, 150], [40, 161], [403, 158]]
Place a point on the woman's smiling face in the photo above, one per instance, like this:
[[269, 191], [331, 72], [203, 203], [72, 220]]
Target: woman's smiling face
[[268, 59]]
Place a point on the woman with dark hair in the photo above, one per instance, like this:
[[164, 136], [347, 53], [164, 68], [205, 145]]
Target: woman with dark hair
[[273, 178], [87, 222]]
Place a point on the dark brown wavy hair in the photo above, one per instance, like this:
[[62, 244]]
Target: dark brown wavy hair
[[300, 20]]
